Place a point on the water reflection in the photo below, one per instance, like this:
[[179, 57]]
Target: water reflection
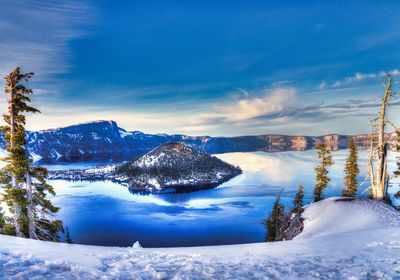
[[104, 213]]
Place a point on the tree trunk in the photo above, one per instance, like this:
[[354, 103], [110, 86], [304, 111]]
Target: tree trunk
[[14, 183], [378, 190], [29, 196]]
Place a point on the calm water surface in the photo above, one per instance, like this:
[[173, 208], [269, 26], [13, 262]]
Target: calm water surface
[[104, 213]]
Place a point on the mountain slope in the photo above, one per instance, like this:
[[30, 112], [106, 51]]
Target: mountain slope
[[369, 251]]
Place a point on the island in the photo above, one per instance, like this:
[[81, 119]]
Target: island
[[172, 167]]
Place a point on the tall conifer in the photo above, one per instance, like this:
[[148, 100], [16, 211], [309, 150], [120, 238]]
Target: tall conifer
[[321, 171], [272, 222], [67, 236], [13, 175], [397, 172], [298, 200], [351, 170], [25, 186]]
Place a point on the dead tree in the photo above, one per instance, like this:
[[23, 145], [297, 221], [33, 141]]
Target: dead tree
[[378, 148]]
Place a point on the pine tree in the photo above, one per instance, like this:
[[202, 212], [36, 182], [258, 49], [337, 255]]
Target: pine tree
[[44, 227], [24, 197], [2, 221], [321, 171], [351, 170], [67, 236], [298, 200], [272, 222], [397, 172], [13, 175]]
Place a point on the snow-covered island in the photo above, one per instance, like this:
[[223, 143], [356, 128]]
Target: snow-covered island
[[172, 167], [357, 239]]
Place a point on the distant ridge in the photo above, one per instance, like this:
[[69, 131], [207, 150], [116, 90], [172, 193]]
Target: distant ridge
[[103, 140]]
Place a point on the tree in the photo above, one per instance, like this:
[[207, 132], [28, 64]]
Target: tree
[[397, 172], [25, 186], [351, 170], [67, 236], [321, 171], [298, 200], [13, 175], [272, 223], [378, 150], [44, 227], [2, 221]]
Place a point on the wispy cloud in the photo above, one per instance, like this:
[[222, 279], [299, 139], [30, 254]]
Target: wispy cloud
[[356, 78], [377, 40], [39, 40], [322, 85], [279, 100], [248, 107]]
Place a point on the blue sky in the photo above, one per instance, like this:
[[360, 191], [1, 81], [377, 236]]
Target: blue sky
[[205, 67]]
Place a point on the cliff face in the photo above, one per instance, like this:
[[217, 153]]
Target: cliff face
[[104, 140], [278, 143]]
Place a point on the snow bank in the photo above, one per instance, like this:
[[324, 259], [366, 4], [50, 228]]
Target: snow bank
[[341, 240], [337, 215]]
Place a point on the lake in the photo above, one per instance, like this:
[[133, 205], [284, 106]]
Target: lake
[[105, 213]]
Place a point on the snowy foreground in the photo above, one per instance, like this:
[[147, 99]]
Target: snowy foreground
[[341, 240]]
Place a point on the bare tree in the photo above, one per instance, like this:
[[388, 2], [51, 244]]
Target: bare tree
[[378, 147]]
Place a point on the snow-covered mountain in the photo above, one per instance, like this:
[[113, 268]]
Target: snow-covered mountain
[[341, 240], [104, 140], [97, 140], [171, 167], [90, 140]]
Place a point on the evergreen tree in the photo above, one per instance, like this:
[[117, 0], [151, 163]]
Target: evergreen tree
[[67, 236], [321, 171], [44, 227], [2, 221], [272, 222], [351, 170], [13, 175], [24, 197], [298, 200], [397, 172]]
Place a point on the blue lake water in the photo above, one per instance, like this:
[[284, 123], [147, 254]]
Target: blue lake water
[[104, 213]]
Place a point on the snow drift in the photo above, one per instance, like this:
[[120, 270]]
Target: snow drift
[[357, 239], [339, 215]]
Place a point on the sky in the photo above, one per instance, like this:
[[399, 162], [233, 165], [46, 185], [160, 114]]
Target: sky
[[219, 68]]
